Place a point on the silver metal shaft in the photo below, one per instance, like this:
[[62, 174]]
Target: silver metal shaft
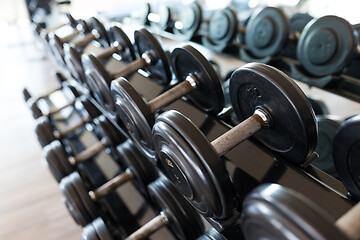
[[349, 223], [84, 40], [111, 185], [89, 152], [107, 52], [172, 95], [150, 227], [239, 133], [50, 29]]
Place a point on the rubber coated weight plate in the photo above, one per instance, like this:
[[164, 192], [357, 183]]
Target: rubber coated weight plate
[[293, 130], [101, 229], [184, 222], [89, 233], [223, 26], [135, 115], [57, 160], [346, 154], [298, 21], [44, 131], [26, 94], [99, 27], [143, 170], [274, 212], [106, 129], [119, 38], [143, 14], [89, 107], [83, 195], [73, 202], [56, 44], [146, 42], [327, 128], [165, 17], [35, 110], [266, 32], [190, 18], [188, 61], [98, 81], [326, 46], [192, 164], [211, 234], [73, 63]]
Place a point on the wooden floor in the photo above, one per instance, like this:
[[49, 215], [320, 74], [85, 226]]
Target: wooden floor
[[30, 200]]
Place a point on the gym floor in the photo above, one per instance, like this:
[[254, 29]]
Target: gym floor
[[30, 205]]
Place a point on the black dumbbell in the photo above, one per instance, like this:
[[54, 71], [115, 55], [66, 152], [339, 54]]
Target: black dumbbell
[[176, 213], [153, 59], [327, 127], [162, 19], [327, 45], [61, 163], [119, 43], [346, 152], [47, 133], [270, 107], [96, 230], [211, 234], [197, 79], [222, 30], [82, 203], [272, 211]]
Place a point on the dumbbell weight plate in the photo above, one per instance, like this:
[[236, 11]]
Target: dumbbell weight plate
[[273, 212], [211, 234], [145, 42], [209, 96], [346, 145], [57, 161], [192, 164], [190, 18], [101, 229], [143, 13], [44, 131], [298, 21], [99, 27], [223, 26], [73, 202], [91, 110], [182, 217], [105, 128], [165, 17], [118, 36], [294, 132], [326, 46], [266, 32]]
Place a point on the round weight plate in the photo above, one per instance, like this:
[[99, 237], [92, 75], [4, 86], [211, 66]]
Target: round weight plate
[[326, 46], [106, 129], [146, 42], [274, 212], [293, 130], [119, 38], [101, 229], [184, 222], [143, 13], [298, 21], [44, 131], [98, 81], [192, 164], [71, 20], [346, 154], [83, 26], [73, 62], [165, 17], [211, 234], [60, 77], [318, 106], [83, 194], [187, 61], [35, 110], [190, 18], [91, 110], [327, 127], [73, 202], [266, 32], [100, 29], [57, 160], [143, 171], [26, 94], [89, 233], [135, 115], [56, 44], [223, 26]]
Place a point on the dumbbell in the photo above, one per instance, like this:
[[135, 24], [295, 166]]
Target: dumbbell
[[61, 163], [211, 234], [346, 152], [327, 45], [82, 204], [119, 43], [270, 107], [176, 213], [161, 19], [153, 59], [197, 79], [46, 132], [327, 127], [272, 211]]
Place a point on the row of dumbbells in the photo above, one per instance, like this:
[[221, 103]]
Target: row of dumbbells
[[323, 46], [262, 97]]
